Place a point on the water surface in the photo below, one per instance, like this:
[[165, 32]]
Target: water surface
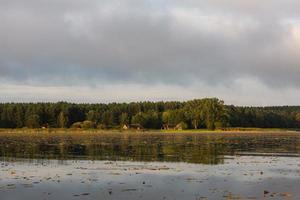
[[150, 166]]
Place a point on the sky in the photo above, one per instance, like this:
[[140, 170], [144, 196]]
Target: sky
[[246, 52]]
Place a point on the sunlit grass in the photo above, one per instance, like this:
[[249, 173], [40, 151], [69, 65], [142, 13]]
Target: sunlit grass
[[92, 132]]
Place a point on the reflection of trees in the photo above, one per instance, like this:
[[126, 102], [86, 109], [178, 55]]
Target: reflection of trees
[[192, 148]]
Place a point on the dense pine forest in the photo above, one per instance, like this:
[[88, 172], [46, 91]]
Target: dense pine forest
[[209, 113]]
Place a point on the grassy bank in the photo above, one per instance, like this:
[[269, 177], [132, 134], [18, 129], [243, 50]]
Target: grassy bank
[[116, 131], [239, 129]]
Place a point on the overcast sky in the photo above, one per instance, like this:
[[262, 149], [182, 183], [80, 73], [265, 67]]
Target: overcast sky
[[246, 52]]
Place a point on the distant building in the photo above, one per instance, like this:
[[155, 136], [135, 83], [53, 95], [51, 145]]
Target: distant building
[[125, 127], [132, 126], [179, 126]]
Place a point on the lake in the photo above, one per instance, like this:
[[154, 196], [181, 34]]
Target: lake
[[150, 165]]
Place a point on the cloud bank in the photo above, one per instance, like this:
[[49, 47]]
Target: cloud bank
[[181, 49]]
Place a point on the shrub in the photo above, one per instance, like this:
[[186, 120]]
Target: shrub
[[88, 124], [77, 125], [101, 126]]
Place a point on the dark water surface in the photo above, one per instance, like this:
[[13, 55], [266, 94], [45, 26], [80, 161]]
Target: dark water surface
[[150, 166]]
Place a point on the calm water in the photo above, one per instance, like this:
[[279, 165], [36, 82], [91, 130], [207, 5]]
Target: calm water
[[150, 166]]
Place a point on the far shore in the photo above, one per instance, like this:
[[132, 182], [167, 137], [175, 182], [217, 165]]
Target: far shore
[[70, 131]]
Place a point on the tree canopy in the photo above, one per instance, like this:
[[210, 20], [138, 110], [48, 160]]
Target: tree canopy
[[209, 113]]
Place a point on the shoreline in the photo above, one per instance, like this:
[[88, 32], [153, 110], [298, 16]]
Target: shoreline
[[74, 132]]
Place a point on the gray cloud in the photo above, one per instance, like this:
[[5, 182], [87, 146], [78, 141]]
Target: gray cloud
[[215, 42]]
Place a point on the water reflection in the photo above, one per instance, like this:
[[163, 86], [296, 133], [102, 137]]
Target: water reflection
[[242, 177], [191, 148]]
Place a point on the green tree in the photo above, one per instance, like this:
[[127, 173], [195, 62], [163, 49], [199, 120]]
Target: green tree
[[166, 118], [33, 121], [194, 112], [107, 119], [147, 120], [214, 112], [93, 116], [62, 120], [139, 118], [124, 119]]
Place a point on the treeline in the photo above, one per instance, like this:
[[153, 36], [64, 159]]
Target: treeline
[[207, 113]]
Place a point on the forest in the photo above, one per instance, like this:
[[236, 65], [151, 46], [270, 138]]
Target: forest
[[207, 113]]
